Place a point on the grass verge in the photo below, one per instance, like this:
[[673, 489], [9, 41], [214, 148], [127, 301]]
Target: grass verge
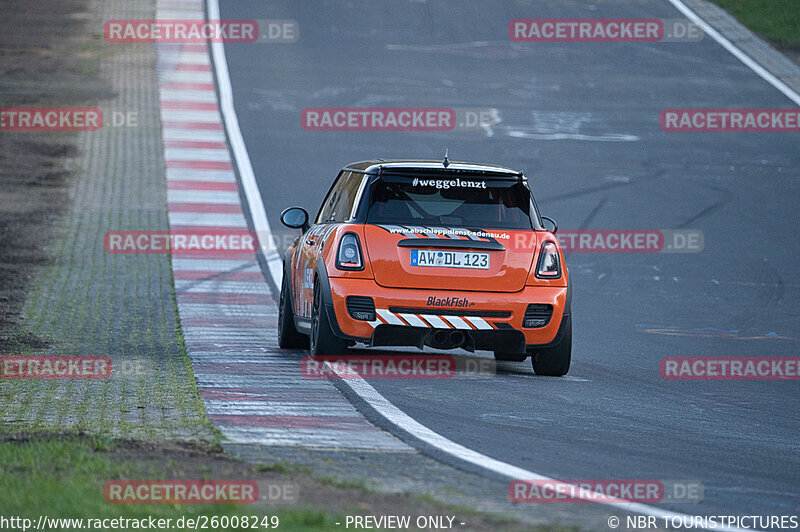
[[778, 21], [62, 476]]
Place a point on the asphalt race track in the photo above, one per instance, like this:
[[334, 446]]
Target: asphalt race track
[[582, 120]]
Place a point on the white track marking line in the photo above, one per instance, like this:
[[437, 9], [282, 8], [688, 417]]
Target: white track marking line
[[215, 265], [189, 115], [199, 135], [312, 438], [178, 57], [172, 76], [203, 196], [739, 54], [197, 154], [280, 408], [181, 174], [391, 413], [207, 219], [254, 201], [203, 310], [188, 96], [227, 287]]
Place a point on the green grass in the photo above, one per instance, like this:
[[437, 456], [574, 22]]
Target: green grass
[[344, 483], [64, 478], [776, 20]]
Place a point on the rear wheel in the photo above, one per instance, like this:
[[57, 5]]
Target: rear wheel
[[323, 341], [555, 361], [288, 337]]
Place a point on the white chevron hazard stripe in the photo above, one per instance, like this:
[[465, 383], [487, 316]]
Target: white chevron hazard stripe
[[389, 317], [430, 321], [435, 321], [479, 323], [413, 320], [457, 322]]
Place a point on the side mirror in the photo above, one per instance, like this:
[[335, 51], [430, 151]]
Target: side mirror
[[295, 218], [550, 224]]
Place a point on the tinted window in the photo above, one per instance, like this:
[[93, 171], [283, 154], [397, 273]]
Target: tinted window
[[330, 200], [338, 206], [450, 202], [343, 207]]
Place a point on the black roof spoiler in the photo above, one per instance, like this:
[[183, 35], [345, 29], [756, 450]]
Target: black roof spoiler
[[449, 172], [429, 168]]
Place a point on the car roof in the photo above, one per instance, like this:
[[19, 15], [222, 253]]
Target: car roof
[[424, 166]]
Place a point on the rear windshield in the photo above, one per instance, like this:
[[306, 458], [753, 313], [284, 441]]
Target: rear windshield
[[466, 202]]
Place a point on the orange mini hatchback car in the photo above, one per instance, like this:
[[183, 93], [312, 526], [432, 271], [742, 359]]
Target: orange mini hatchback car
[[428, 253]]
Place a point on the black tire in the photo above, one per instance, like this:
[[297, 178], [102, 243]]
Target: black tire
[[288, 337], [510, 357], [323, 341], [555, 361]]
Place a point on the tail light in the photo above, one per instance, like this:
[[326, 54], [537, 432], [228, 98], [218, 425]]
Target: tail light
[[549, 265], [349, 256]]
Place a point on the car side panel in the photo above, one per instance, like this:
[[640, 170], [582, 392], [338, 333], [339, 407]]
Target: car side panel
[[309, 249]]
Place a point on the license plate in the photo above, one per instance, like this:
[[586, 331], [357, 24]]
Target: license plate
[[450, 259]]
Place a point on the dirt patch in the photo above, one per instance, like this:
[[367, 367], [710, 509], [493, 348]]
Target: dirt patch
[[48, 57]]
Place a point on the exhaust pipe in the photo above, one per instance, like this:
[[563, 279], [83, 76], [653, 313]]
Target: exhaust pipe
[[456, 338], [439, 338], [444, 339]]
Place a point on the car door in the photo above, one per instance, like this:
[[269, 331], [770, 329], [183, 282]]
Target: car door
[[339, 207], [310, 246]]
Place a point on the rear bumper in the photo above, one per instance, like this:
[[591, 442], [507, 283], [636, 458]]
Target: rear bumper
[[483, 320]]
